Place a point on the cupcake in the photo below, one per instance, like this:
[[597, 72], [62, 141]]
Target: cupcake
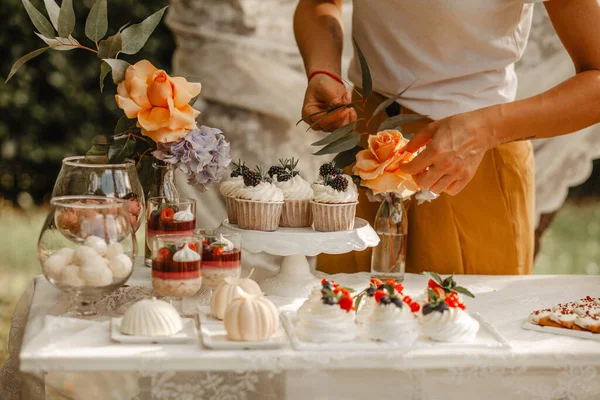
[[334, 201], [297, 194], [259, 203], [230, 190], [393, 320]]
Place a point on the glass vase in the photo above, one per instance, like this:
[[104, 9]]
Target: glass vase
[[388, 260], [162, 185]]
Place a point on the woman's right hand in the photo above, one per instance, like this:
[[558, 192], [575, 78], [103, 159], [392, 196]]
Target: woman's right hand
[[323, 93]]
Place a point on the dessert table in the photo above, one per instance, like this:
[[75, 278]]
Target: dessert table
[[76, 358]]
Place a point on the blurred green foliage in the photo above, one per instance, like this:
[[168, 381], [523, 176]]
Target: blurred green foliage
[[53, 106]]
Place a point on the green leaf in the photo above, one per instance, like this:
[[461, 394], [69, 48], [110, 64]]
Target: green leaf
[[39, 21], [124, 124], [433, 297], [463, 290], [345, 143], [390, 288], [118, 69], [66, 18], [335, 135], [329, 112], [391, 100], [358, 300], [96, 24], [23, 60], [136, 36], [60, 44], [447, 282], [109, 47], [53, 11], [434, 276], [367, 83], [399, 120], [104, 70], [348, 157], [121, 148], [98, 149]]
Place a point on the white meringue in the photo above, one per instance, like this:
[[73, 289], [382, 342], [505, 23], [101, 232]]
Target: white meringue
[[363, 315], [314, 298], [84, 253], [69, 276], [54, 265], [390, 323], [120, 265], [96, 274], [97, 244], [186, 255], [66, 252], [222, 240], [183, 216], [326, 323], [114, 249], [452, 325]]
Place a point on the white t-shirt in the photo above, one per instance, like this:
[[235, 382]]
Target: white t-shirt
[[461, 52]]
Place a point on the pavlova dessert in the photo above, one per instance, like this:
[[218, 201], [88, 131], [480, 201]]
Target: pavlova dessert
[[365, 301], [330, 319], [394, 317], [297, 194]]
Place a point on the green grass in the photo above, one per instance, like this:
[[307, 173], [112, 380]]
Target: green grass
[[569, 247]]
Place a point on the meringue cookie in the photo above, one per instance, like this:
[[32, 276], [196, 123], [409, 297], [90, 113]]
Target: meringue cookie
[[186, 255], [120, 265], [54, 265], [84, 253], [97, 244], [221, 240], [96, 274], [184, 216], [313, 299], [326, 323], [66, 252], [452, 325], [390, 323], [69, 276], [114, 249]]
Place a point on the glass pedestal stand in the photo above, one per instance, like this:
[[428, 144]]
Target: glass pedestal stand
[[294, 278]]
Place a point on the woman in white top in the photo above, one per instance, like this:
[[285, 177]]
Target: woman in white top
[[461, 55]]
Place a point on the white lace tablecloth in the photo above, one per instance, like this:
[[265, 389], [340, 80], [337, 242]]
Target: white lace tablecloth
[[64, 357]]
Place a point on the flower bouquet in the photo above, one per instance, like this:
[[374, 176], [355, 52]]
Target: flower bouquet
[[377, 159], [159, 125]]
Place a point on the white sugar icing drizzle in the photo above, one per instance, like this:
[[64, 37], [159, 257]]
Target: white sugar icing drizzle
[[295, 189], [183, 216], [264, 191], [327, 194], [452, 325], [186, 255], [326, 323], [231, 187]]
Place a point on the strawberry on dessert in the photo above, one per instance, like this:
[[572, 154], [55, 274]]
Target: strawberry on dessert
[[368, 298], [221, 258], [176, 271]]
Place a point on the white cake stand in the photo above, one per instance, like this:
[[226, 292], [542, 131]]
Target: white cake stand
[[294, 278]]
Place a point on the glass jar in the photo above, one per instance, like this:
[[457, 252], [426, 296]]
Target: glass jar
[[79, 176], [87, 248], [221, 256], [388, 260]]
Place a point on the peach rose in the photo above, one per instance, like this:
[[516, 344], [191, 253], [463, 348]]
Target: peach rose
[[159, 102], [378, 166]]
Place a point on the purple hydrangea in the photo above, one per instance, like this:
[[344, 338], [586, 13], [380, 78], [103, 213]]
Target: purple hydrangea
[[203, 154]]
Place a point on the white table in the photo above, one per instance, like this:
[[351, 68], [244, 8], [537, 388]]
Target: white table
[[538, 366]]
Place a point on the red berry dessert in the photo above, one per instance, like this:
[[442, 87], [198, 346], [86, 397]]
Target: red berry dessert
[[220, 259], [176, 273]]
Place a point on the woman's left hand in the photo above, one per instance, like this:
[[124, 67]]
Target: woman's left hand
[[454, 148]]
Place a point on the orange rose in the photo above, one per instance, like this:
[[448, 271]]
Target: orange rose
[[378, 166], [159, 102]]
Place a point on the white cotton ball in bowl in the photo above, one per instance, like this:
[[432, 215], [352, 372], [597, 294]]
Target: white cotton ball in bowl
[[120, 265], [114, 249], [67, 252], [97, 244], [69, 276], [96, 274], [83, 254], [54, 265]]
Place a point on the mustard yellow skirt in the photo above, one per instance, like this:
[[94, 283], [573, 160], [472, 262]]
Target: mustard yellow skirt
[[488, 228]]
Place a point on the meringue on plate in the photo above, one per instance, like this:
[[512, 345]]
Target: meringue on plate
[[393, 322]]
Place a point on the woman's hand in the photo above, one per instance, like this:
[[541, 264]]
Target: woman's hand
[[454, 148], [323, 93]]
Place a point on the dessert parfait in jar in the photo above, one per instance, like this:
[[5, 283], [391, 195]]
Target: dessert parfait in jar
[[168, 217], [176, 265], [221, 256]]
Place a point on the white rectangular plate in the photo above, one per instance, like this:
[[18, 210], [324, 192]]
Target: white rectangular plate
[[487, 337], [214, 336], [189, 333], [561, 331]]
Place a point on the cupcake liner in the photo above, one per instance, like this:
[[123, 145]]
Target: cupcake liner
[[333, 217], [258, 215], [231, 209], [296, 214]]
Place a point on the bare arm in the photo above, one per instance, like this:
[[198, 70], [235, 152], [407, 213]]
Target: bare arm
[[573, 104], [319, 33]]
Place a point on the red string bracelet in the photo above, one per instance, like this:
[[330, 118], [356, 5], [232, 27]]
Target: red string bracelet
[[329, 74]]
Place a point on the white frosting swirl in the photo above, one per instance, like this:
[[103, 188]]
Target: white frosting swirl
[[389, 323], [452, 325], [295, 189], [327, 194], [314, 298], [363, 315], [264, 191], [326, 323], [184, 216], [232, 186], [186, 255]]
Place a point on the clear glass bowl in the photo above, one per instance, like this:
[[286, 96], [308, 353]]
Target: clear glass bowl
[[87, 248], [78, 177]]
